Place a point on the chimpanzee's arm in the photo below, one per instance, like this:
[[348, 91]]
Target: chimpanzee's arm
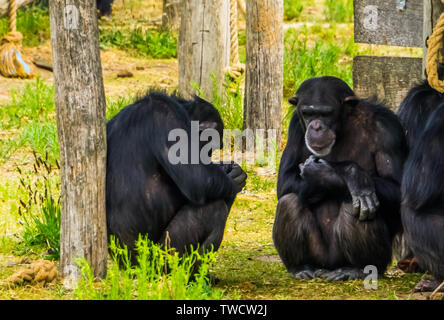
[[389, 159], [383, 189], [199, 182], [312, 180]]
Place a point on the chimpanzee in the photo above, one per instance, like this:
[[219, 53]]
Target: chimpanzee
[[184, 204], [422, 208], [338, 184], [104, 7]]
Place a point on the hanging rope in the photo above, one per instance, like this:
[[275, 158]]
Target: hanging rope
[[242, 9], [12, 64], [236, 69], [434, 44]]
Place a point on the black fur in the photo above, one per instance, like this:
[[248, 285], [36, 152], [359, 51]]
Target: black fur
[[105, 7], [314, 226], [146, 194], [422, 114]]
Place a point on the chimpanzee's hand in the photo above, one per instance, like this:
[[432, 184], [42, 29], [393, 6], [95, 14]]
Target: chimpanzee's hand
[[316, 170], [238, 176], [227, 166], [362, 189]]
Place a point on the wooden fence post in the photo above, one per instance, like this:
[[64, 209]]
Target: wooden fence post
[[81, 125], [264, 66], [204, 46]]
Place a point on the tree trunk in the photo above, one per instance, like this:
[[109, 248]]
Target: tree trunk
[[432, 11], [204, 46], [264, 67], [81, 124], [171, 15]]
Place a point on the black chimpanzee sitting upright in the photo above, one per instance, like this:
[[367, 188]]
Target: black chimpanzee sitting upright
[[147, 194], [338, 184], [422, 210]]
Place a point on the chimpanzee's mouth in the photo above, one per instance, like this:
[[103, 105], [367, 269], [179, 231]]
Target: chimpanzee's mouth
[[320, 150]]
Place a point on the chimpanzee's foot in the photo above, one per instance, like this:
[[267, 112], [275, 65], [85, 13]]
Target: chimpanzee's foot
[[304, 272], [427, 286], [343, 274], [409, 265], [322, 273]]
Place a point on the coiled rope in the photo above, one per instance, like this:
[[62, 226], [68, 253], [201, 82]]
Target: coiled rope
[[12, 64], [434, 44]]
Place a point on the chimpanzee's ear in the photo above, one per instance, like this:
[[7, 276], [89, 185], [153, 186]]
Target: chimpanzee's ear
[[293, 100], [207, 125], [351, 100]]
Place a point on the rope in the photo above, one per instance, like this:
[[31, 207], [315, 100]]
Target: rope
[[234, 33], [12, 63], [242, 8], [434, 44], [236, 69], [12, 16]]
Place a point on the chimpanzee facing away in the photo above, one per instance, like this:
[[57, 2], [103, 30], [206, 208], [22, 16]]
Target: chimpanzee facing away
[[422, 209], [104, 7], [147, 194], [339, 183]]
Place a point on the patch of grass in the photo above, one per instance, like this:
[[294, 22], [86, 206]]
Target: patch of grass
[[148, 280], [339, 10], [113, 106], [42, 139], [316, 55], [293, 9], [151, 43], [39, 210], [32, 22], [35, 102], [230, 103]]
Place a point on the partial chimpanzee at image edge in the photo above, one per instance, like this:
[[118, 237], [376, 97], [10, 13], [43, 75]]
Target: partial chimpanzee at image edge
[[146, 194], [339, 184], [422, 209], [104, 7]]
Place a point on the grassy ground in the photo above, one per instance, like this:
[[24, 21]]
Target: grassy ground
[[318, 41]]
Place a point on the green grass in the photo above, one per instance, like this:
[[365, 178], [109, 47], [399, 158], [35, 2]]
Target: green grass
[[39, 210], [293, 9], [42, 139], [339, 10], [32, 22], [313, 52], [35, 102], [148, 280], [151, 43]]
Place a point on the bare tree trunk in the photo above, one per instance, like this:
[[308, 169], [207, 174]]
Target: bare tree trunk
[[204, 45], [264, 67], [171, 15], [80, 102]]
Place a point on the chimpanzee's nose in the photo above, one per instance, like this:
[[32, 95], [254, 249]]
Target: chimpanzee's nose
[[316, 125]]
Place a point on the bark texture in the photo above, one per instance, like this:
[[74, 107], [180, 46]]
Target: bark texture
[[80, 103]]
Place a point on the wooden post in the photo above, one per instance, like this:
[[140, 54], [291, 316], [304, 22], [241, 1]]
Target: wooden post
[[80, 103], [204, 46], [264, 66], [432, 11], [171, 15]]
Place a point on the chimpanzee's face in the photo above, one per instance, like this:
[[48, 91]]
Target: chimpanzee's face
[[209, 118], [320, 103]]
